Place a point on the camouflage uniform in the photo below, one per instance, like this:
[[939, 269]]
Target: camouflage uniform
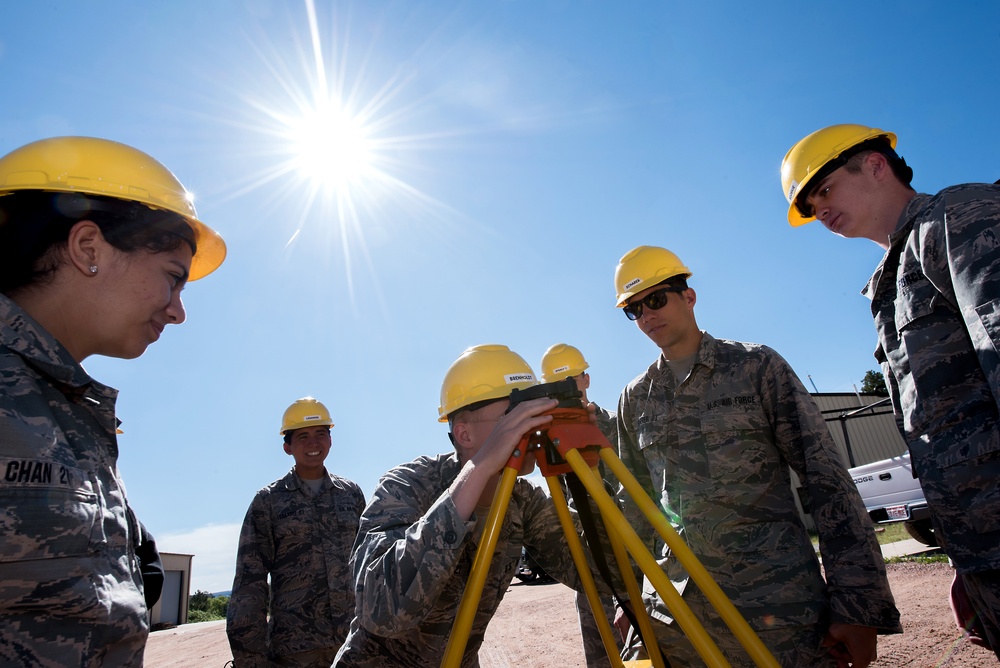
[[593, 646], [715, 452], [936, 302], [304, 543], [70, 583], [414, 555]]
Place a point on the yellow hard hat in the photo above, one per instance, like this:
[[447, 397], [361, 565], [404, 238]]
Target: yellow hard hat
[[644, 267], [103, 167], [809, 155], [482, 373], [305, 412], [562, 361]]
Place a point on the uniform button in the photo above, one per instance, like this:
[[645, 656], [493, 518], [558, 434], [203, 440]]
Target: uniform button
[[450, 537]]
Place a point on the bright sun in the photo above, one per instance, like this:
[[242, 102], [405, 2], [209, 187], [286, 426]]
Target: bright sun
[[334, 158], [331, 148]]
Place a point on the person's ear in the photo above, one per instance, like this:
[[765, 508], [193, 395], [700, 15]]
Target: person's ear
[[85, 246], [878, 165], [287, 447], [460, 435]]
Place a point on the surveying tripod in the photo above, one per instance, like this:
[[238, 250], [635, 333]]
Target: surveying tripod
[[572, 443]]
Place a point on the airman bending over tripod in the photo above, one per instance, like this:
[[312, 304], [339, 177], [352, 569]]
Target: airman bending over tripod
[[420, 531]]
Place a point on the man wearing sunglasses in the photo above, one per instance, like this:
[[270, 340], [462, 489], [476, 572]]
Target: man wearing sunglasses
[[711, 430]]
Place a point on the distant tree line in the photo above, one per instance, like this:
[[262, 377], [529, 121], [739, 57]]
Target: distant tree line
[[205, 607]]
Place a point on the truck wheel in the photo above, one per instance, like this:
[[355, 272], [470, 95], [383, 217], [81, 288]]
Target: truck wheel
[[527, 577], [922, 532]]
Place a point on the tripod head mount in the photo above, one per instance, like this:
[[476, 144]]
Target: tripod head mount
[[572, 428]]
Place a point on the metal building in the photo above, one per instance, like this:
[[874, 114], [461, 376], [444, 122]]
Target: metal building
[[862, 425], [864, 429]]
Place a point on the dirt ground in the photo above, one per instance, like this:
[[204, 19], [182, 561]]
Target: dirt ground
[[536, 627]]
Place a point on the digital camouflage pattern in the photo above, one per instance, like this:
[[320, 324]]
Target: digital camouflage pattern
[[304, 543], [414, 555], [936, 303], [714, 451], [70, 583]]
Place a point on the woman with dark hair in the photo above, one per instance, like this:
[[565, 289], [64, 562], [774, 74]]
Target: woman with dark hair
[[97, 240]]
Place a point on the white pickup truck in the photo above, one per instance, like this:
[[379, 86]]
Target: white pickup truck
[[892, 494]]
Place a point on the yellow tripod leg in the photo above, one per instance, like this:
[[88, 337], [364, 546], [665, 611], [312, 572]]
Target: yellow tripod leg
[[634, 593], [692, 628], [635, 597], [583, 569], [480, 567], [730, 615]]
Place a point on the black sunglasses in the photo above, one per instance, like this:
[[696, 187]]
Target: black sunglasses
[[655, 300]]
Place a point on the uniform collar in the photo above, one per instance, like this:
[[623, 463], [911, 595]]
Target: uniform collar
[[705, 355], [293, 481], [903, 228]]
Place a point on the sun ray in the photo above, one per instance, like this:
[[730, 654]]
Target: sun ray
[[338, 137]]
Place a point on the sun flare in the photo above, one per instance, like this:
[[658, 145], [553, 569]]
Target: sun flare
[[331, 148], [340, 137]]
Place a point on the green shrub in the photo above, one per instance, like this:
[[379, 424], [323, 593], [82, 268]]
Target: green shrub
[[195, 616]]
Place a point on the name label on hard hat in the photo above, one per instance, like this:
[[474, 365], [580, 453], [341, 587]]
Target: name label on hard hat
[[792, 189], [518, 378], [561, 369], [633, 283], [310, 417]]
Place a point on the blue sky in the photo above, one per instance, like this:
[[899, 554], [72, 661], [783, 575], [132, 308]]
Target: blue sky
[[518, 150]]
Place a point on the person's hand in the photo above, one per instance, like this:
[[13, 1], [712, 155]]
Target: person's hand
[[851, 645], [622, 622], [509, 430], [966, 619]]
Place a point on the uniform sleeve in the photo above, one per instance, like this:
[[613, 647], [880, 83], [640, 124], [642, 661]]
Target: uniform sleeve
[[631, 456], [246, 616], [607, 422], [408, 545], [852, 560], [359, 500], [961, 257]]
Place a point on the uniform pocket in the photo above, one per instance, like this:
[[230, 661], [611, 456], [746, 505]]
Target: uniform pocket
[[911, 307], [51, 528], [50, 511], [738, 445]]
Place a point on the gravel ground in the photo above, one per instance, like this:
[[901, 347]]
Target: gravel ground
[[536, 627]]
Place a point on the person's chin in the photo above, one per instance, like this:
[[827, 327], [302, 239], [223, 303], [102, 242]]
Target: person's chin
[[128, 351]]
